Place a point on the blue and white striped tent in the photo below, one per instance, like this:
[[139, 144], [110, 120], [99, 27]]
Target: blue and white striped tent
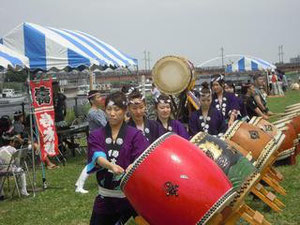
[[249, 64], [11, 59], [49, 48]]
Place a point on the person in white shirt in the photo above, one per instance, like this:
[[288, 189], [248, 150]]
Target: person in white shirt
[[6, 152]]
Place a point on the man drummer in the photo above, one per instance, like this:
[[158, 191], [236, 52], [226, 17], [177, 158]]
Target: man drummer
[[111, 150], [137, 109]]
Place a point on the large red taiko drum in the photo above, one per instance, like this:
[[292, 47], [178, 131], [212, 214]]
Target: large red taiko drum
[[173, 182]]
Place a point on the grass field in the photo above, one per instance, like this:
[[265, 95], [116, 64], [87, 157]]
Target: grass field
[[59, 204]]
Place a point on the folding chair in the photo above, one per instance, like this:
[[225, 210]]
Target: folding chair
[[17, 166]]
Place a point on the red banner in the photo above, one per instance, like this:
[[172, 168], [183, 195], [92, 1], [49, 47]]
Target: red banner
[[42, 101]]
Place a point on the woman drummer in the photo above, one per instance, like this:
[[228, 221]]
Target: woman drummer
[[248, 91], [224, 102], [229, 87], [111, 150], [163, 108], [207, 119], [137, 109]]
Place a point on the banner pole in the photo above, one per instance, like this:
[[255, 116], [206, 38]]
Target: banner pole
[[31, 134]]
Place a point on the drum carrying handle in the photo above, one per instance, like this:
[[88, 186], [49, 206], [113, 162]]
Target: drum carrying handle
[[193, 100]]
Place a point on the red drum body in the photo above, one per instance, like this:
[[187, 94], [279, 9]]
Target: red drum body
[[173, 182], [251, 138]]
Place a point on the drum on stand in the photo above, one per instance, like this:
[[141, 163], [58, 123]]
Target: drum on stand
[[251, 138], [173, 74], [237, 168], [173, 182]]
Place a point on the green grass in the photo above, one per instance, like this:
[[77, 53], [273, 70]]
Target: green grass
[[59, 204]]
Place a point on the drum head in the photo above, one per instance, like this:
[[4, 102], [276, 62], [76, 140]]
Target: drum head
[[172, 74]]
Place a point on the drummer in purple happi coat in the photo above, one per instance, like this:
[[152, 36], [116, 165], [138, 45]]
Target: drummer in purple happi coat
[[163, 108], [111, 150], [229, 87], [226, 103], [137, 109], [207, 119]]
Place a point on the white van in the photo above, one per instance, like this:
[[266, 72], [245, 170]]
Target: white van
[[8, 93]]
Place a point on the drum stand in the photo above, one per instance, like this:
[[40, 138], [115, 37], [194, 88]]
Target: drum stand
[[248, 214], [272, 182], [267, 197]]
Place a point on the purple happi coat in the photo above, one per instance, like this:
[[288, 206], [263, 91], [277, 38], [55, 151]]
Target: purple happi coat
[[214, 124], [228, 104], [152, 129], [176, 127], [132, 146]]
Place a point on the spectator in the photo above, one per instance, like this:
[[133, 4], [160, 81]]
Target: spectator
[[59, 104], [97, 119], [6, 152]]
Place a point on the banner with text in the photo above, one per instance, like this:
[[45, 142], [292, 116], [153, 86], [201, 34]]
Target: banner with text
[[42, 101]]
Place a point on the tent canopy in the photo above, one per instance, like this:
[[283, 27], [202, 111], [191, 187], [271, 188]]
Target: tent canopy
[[11, 59], [49, 48], [249, 64]]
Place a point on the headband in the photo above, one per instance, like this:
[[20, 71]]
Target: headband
[[137, 101]]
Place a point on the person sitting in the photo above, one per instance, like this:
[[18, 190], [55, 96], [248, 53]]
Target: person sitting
[[207, 119], [5, 126], [224, 102], [6, 151], [248, 91], [97, 119], [137, 109], [112, 150], [35, 145], [163, 108]]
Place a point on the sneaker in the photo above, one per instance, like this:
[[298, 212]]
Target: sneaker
[[24, 193], [81, 190]]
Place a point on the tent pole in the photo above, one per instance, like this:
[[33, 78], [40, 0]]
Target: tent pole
[[91, 76], [31, 134]]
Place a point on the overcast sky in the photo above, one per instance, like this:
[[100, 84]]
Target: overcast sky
[[196, 29]]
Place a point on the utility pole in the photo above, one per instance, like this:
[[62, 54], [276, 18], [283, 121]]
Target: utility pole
[[145, 59], [280, 53], [222, 55], [149, 60]]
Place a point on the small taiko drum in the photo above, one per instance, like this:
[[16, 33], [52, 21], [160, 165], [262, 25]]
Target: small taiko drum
[[265, 126], [251, 138], [295, 120], [287, 148], [173, 74], [237, 168], [173, 182]]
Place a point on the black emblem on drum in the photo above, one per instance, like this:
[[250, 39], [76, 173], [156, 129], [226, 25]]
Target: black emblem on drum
[[254, 134], [268, 128], [171, 189]]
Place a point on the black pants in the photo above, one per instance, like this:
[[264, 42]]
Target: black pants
[[110, 219]]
